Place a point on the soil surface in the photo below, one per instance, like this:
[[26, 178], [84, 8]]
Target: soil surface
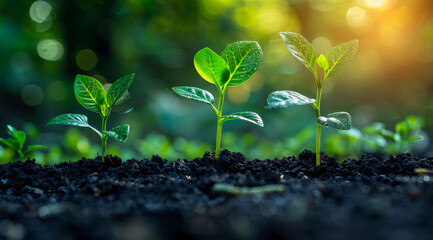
[[366, 198]]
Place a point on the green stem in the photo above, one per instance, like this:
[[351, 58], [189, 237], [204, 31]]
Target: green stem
[[219, 123], [104, 136], [319, 127]]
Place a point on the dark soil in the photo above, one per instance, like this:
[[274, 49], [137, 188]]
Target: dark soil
[[366, 198]]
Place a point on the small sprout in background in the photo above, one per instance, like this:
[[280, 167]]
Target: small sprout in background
[[376, 139], [336, 60], [16, 142], [91, 95], [407, 132], [237, 63]]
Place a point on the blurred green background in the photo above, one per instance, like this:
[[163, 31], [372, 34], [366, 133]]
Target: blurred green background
[[44, 44]]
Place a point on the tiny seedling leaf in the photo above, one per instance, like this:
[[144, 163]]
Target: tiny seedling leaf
[[337, 120], [72, 119], [322, 62], [243, 59], [12, 143], [10, 130], [246, 116], [33, 148], [90, 93], [116, 91], [339, 57], [284, 99], [301, 49], [120, 133], [414, 138], [211, 67], [195, 93], [20, 137], [402, 129]]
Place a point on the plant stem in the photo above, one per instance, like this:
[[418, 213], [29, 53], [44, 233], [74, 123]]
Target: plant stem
[[319, 127], [219, 123], [104, 136]]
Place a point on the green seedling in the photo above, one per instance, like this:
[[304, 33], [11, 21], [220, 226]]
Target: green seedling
[[91, 95], [17, 140], [237, 63], [336, 60], [375, 138], [405, 135]]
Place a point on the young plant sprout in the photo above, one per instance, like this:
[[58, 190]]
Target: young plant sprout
[[91, 95], [17, 140], [336, 60], [237, 63]]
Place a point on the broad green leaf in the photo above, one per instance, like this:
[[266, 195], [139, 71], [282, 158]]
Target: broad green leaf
[[12, 143], [339, 57], [283, 99], [415, 138], [33, 148], [10, 130], [72, 119], [246, 116], [20, 136], [243, 59], [337, 120], [323, 63], [211, 67], [301, 49], [90, 93], [120, 133], [119, 87], [195, 93]]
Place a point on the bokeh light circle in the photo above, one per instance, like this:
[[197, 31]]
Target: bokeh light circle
[[50, 49], [32, 95], [86, 59]]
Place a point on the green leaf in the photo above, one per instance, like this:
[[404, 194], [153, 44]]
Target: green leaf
[[120, 133], [195, 93], [301, 49], [90, 93], [415, 138], [337, 120], [402, 129], [116, 91], [339, 57], [20, 137], [72, 119], [374, 128], [33, 148], [211, 67], [10, 130], [12, 143], [323, 63], [284, 99], [246, 116], [243, 59]]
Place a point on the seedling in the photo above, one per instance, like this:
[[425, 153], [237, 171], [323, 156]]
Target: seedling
[[406, 133], [91, 95], [237, 63], [336, 60], [17, 140]]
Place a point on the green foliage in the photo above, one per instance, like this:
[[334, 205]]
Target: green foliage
[[16, 142], [337, 120], [237, 63], [375, 138], [337, 59], [283, 99], [91, 95]]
